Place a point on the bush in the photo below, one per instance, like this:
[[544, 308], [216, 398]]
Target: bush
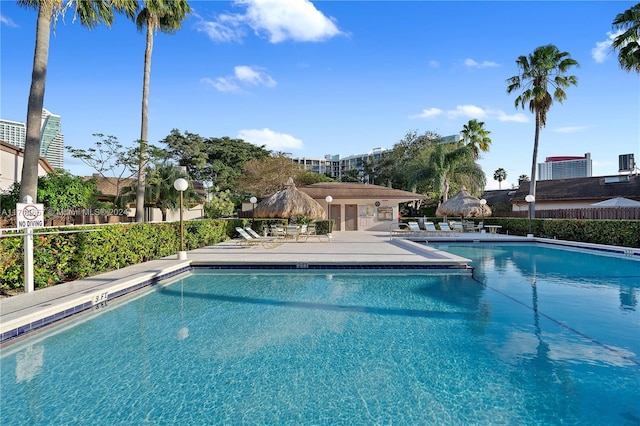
[[624, 233], [63, 257]]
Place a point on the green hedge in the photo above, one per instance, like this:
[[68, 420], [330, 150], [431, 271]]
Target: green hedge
[[66, 257], [624, 233]]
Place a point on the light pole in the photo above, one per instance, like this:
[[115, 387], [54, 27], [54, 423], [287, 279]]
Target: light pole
[[530, 199], [253, 201], [483, 203], [181, 185], [329, 199]]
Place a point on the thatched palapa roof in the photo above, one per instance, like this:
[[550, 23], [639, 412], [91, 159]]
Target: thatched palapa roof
[[463, 204], [289, 202], [362, 191]]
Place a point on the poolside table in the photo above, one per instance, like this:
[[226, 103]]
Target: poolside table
[[492, 228]]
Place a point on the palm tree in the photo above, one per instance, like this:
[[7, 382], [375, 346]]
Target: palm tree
[[446, 166], [160, 192], [90, 14], [500, 175], [627, 43], [542, 70], [166, 16], [477, 137]]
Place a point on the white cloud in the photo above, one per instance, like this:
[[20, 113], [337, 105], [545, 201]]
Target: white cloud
[[569, 129], [434, 64], [222, 30], [427, 113], [274, 141], [279, 20], [243, 75], [7, 21], [222, 84], [470, 63], [602, 48], [253, 76], [282, 20], [473, 112], [518, 117], [470, 111]]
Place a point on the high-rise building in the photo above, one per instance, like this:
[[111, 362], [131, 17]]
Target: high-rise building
[[51, 137], [565, 167], [13, 132], [335, 166]]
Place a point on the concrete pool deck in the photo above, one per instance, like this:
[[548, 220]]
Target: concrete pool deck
[[21, 314]]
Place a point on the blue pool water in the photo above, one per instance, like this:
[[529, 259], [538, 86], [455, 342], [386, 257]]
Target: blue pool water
[[535, 335]]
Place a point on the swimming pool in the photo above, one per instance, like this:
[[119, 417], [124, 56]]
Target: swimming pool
[[536, 335]]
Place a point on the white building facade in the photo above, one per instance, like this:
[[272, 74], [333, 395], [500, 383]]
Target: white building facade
[[565, 167], [51, 137]]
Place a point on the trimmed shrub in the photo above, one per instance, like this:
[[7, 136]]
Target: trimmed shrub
[[64, 257]]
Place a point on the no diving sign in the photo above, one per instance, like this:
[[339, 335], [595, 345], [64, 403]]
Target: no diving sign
[[30, 215]]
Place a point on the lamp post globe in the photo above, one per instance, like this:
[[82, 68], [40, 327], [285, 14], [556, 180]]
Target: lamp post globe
[[253, 201], [530, 199], [181, 185], [329, 199], [483, 202]]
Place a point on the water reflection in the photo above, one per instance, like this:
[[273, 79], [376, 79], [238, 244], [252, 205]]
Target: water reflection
[[628, 298], [29, 363], [183, 332]]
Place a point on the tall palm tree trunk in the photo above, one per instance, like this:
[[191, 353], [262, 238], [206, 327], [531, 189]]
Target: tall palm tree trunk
[[142, 169], [29, 179], [532, 185]]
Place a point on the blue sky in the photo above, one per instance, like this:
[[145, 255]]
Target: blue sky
[[335, 77]]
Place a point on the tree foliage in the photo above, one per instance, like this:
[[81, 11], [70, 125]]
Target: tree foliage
[[220, 204], [449, 168], [112, 161], [500, 175], [476, 136], [155, 15], [216, 160], [159, 190], [59, 191], [188, 150], [351, 175], [90, 14], [264, 176], [395, 167], [627, 44], [541, 71]]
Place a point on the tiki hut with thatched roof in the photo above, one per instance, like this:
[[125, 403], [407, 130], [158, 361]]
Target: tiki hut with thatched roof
[[289, 202], [463, 204]]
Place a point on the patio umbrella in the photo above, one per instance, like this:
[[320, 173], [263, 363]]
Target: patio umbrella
[[617, 202], [289, 202], [463, 204]]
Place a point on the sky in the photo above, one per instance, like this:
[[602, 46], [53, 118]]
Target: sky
[[335, 77]]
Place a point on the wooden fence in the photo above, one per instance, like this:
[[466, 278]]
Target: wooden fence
[[621, 213]]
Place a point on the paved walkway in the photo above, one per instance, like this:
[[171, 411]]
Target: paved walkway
[[27, 312]]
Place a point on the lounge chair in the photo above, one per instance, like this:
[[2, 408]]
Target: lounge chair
[[278, 231], [248, 241], [457, 226], [255, 235], [415, 229], [444, 227], [402, 230], [309, 230], [430, 228]]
